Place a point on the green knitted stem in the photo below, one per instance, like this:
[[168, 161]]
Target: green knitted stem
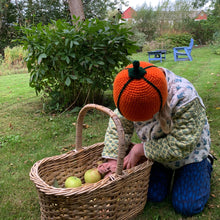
[[136, 72]]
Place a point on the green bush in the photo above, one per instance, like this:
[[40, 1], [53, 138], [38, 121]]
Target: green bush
[[157, 44], [215, 46], [168, 42], [202, 30], [138, 36], [14, 56], [74, 65], [175, 40]]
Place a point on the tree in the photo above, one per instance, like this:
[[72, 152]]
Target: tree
[[7, 19], [93, 8], [44, 11], [201, 3], [76, 8], [99, 8], [147, 21], [214, 15]]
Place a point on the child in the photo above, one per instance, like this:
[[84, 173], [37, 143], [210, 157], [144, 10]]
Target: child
[[170, 120]]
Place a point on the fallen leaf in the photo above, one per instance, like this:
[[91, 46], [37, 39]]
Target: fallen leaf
[[10, 125], [217, 108], [55, 183], [213, 195], [211, 206], [212, 73], [85, 126]]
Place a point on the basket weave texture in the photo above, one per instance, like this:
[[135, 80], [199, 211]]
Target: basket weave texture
[[121, 196]]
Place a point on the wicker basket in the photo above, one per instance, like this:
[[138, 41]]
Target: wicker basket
[[121, 196]]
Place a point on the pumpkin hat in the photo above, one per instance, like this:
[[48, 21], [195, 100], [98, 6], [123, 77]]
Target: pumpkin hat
[[140, 91]]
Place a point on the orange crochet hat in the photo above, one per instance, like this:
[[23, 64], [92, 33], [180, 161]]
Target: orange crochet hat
[[140, 91]]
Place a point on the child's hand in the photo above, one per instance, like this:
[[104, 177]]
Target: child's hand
[[108, 167], [134, 156]]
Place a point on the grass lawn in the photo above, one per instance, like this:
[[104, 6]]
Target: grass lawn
[[27, 134]]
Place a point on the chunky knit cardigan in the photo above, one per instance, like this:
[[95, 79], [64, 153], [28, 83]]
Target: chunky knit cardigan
[[189, 140]]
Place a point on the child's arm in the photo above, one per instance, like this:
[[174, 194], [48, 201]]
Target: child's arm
[[110, 150], [188, 124]]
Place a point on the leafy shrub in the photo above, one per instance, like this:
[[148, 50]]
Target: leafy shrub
[[74, 65], [137, 36], [14, 56], [175, 40], [13, 61], [202, 30], [167, 42], [215, 46], [140, 38], [157, 44]]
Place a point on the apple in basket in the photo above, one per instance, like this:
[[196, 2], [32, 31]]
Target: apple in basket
[[73, 182], [92, 176]]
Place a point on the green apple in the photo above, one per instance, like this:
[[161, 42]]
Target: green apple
[[73, 182], [92, 175]]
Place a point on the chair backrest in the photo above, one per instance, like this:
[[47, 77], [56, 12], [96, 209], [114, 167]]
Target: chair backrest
[[191, 44]]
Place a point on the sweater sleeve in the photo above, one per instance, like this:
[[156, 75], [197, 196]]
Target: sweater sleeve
[[188, 123], [111, 136]]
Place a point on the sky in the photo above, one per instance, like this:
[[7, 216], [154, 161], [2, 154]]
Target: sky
[[137, 3]]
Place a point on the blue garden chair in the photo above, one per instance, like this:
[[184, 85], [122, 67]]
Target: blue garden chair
[[183, 53]]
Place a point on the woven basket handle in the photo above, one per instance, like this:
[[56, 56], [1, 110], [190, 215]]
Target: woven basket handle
[[120, 130]]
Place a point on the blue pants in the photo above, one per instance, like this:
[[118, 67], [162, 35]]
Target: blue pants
[[191, 186]]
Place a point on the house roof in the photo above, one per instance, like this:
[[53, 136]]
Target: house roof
[[201, 16], [129, 13]]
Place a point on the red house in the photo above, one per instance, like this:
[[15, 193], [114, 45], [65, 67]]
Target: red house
[[201, 16], [128, 14]]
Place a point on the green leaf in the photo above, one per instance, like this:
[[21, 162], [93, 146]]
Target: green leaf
[[75, 42], [89, 81], [71, 44], [101, 63], [66, 42], [74, 77], [73, 55], [67, 60], [76, 110], [110, 60], [43, 55], [55, 183], [90, 66], [68, 81]]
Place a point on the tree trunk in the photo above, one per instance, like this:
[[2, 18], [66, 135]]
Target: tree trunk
[[76, 8]]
